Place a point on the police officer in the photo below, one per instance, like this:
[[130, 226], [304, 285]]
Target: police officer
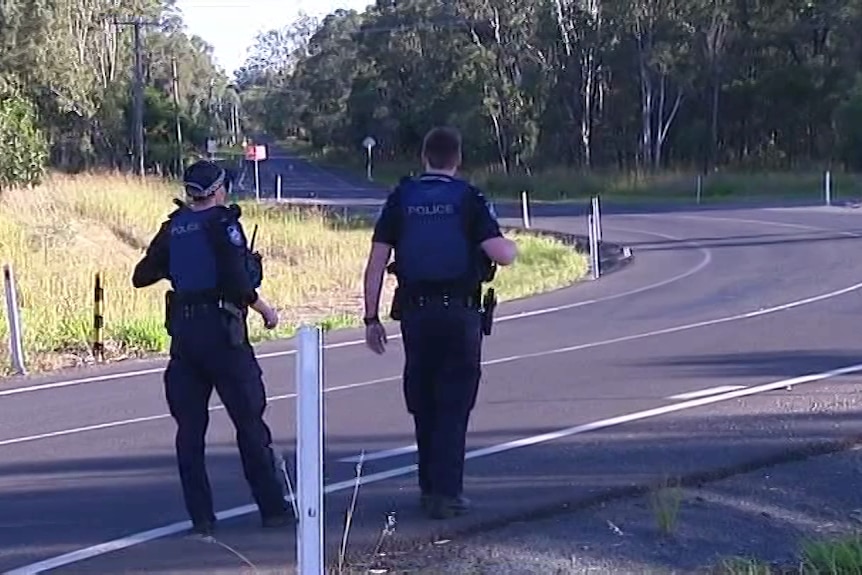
[[438, 225], [201, 249]]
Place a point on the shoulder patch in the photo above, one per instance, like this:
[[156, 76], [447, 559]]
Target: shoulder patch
[[234, 235], [488, 204]]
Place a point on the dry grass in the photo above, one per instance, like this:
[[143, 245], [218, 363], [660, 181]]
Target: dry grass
[[59, 235]]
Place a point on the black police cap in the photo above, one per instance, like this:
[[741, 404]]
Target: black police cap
[[203, 178]]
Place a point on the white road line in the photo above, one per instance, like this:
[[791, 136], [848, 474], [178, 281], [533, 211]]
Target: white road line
[[706, 392], [767, 223], [385, 454], [513, 358], [124, 422], [175, 528], [705, 261]]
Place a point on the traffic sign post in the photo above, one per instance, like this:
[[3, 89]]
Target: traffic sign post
[[212, 148], [369, 143], [256, 154]]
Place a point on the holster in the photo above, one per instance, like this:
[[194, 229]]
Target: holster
[[234, 322], [489, 303], [396, 306], [169, 300]]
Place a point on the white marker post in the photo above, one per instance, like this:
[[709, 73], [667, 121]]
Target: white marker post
[[699, 188], [525, 210], [16, 347], [597, 214], [278, 187], [212, 148], [369, 143], [594, 247], [309, 452], [827, 187], [259, 155]]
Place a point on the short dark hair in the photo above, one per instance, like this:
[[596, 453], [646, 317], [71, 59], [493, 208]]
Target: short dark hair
[[441, 148]]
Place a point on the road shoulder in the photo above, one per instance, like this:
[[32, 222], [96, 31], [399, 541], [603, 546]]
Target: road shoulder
[[764, 516]]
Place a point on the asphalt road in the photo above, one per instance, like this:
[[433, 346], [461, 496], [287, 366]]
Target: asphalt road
[[578, 386]]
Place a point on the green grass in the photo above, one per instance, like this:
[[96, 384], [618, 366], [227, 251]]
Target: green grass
[[564, 184], [58, 236], [837, 557], [840, 556]]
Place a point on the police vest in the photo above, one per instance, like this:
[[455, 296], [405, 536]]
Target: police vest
[[193, 261], [434, 249]]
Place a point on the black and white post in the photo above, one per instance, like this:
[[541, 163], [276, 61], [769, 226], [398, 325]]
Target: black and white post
[[309, 452], [827, 187], [16, 346], [278, 187]]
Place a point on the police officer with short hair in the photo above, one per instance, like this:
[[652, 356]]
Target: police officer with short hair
[[439, 227], [201, 249]]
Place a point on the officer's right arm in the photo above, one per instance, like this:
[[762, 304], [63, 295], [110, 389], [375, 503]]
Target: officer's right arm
[[382, 241], [154, 265], [488, 235]]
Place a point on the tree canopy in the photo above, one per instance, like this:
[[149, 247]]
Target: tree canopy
[[595, 84], [622, 84], [68, 66]]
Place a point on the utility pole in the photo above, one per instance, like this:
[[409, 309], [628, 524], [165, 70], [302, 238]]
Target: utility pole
[[138, 104], [176, 90]]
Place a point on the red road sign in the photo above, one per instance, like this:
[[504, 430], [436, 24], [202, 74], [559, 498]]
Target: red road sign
[[255, 153]]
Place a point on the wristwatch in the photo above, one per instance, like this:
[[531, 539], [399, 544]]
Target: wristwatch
[[371, 320]]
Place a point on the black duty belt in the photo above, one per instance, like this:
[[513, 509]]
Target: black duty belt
[[441, 299]]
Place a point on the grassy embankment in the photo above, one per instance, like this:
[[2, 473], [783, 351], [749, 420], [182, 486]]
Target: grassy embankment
[[561, 184], [59, 235]]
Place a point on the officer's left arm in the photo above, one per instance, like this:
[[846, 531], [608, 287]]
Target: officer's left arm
[[382, 242], [487, 233], [154, 265]]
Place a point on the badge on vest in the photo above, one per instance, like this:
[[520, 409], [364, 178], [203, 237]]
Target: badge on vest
[[234, 236], [491, 209], [490, 206]]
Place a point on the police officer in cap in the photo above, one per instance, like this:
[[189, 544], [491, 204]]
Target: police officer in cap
[[439, 227], [201, 249]]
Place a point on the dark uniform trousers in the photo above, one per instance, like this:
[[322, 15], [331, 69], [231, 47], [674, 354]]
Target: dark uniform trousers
[[442, 348], [202, 358]]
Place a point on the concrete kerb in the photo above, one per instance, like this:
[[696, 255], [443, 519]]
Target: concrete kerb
[[612, 256], [560, 505]]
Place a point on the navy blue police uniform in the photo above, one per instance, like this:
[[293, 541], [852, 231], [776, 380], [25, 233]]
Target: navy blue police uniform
[[435, 224], [205, 257]]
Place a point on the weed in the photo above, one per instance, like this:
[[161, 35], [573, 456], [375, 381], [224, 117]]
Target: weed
[[665, 501], [837, 557], [742, 566]]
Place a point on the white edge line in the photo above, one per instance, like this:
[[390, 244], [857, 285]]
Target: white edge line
[[705, 392], [385, 454], [497, 361], [707, 259], [220, 407], [788, 225], [174, 528]]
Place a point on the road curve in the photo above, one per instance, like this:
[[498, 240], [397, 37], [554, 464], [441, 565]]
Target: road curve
[[717, 301]]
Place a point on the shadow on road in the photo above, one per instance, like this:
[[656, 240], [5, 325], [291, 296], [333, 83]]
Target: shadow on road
[[51, 507]]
